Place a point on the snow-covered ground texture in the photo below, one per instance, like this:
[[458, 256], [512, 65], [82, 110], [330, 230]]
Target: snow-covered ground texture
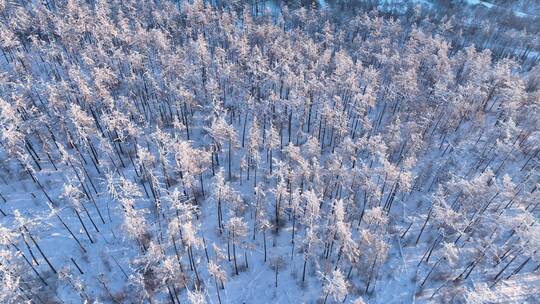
[[166, 152]]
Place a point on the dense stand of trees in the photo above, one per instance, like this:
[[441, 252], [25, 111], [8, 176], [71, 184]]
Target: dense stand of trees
[[181, 145]]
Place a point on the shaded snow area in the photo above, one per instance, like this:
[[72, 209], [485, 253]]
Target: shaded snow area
[[169, 152], [478, 2], [514, 11]]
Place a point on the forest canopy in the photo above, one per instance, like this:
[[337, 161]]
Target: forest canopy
[[269, 152]]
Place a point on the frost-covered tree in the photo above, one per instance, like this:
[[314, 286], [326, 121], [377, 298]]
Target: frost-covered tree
[[336, 286], [222, 133], [237, 229]]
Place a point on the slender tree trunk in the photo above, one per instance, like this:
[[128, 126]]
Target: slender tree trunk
[[264, 244], [230, 160], [234, 256], [326, 297], [429, 273], [41, 251], [217, 290], [277, 270], [304, 270], [202, 184], [84, 227], [371, 274]]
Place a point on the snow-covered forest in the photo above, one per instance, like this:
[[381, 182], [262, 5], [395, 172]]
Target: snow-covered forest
[[159, 151]]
